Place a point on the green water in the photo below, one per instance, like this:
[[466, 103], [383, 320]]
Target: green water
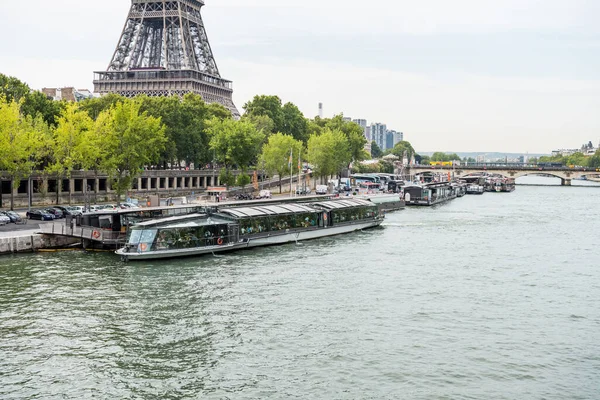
[[485, 297]]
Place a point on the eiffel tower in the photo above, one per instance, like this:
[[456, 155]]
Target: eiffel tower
[[163, 51]]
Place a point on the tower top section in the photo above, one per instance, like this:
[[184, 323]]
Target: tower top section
[[191, 2], [165, 35]]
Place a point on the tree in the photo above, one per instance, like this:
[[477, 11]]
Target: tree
[[37, 103], [12, 89], [269, 106], [354, 134], [294, 123], [328, 152], [276, 155], [403, 148], [96, 105], [375, 150], [594, 160], [262, 123], [20, 140], [70, 145], [235, 142], [130, 140]]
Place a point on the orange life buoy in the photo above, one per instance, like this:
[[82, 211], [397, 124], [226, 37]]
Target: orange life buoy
[[143, 246], [96, 234], [220, 241]]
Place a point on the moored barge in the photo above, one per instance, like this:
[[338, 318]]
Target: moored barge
[[245, 227]]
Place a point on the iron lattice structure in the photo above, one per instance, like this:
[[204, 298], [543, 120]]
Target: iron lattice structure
[[164, 50]]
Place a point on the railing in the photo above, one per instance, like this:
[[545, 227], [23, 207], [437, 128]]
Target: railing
[[83, 232]]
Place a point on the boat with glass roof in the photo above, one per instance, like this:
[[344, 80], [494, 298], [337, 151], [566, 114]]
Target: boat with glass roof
[[245, 227]]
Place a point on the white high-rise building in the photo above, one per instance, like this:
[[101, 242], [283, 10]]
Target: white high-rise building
[[379, 134]]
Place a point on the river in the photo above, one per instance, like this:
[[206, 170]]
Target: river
[[486, 297]]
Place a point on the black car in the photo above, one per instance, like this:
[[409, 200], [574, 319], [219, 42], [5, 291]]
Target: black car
[[56, 212], [42, 215], [13, 216]]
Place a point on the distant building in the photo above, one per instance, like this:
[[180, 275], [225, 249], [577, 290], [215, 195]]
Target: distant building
[[379, 135], [320, 110], [393, 138], [67, 94], [480, 159], [347, 119], [564, 152]]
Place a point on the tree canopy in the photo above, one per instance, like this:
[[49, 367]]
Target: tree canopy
[[275, 155]]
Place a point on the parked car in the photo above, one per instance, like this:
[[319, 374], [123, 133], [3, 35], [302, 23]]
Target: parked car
[[55, 212], [264, 194], [4, 219], [321, 189], [42, 215], [13, 216], [303, 191], [128, 205], [69, 210]]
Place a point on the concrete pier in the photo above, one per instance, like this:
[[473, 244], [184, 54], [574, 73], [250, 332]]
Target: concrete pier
[[26, 243]]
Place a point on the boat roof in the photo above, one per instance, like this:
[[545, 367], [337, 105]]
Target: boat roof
[[182, 221], [257, 211], [337, 204]]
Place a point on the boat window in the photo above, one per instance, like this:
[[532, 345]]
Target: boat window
[[135, 235], [147, 236]]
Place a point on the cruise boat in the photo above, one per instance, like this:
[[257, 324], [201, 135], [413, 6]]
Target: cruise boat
[[475, 189], [245, 227], [428, 194]]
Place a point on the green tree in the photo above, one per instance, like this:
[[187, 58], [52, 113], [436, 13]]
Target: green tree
[[262, 123], [130, 140], [96, 105], [403, 148], [354, 134], [216, 110], [20, 140], [276, 155], [594, 160], [376, 151], [294, 123], [37, 103], [70, 145], [235, 142], [270, 106], [328, 152], [12, 88]]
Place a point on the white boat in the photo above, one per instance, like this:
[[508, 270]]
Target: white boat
[[245, 227], [475, 189]]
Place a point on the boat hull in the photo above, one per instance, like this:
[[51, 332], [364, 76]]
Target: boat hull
[[250, 242]]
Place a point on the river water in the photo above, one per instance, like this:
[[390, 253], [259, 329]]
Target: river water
[[486, 297]]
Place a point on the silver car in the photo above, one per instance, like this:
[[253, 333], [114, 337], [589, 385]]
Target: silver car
[[4, 219]]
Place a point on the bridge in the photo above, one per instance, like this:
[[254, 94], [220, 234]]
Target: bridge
[[517, 170]]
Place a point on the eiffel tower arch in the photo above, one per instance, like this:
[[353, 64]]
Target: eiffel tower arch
[[164, 50]]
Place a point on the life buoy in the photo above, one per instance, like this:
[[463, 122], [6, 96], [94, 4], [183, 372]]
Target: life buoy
[[220, 241], [325, 217], [143, 246], [96, 234]]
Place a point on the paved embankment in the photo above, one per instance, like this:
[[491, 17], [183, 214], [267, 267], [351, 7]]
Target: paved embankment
[[23, 238]]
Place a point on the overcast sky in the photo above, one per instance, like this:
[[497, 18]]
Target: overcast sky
[[460, 75]]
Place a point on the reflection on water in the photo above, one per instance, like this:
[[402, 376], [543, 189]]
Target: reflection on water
[[485, 297]]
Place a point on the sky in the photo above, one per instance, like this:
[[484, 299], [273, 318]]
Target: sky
[[463, 75]]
